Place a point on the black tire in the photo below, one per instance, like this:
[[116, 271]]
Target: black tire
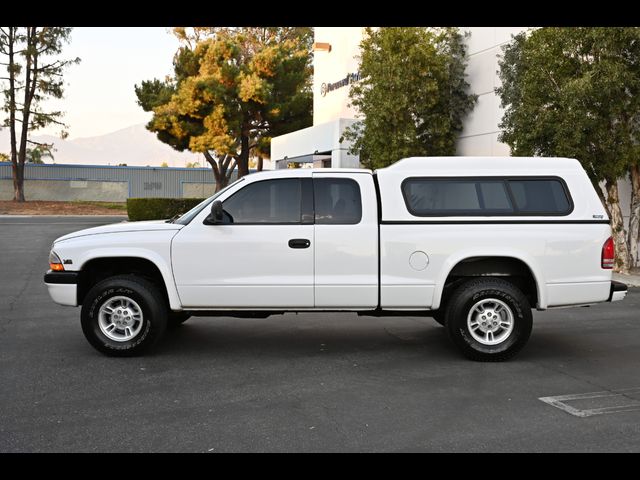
[[175, 319], [474, 291], [439, 316], [151, 326]]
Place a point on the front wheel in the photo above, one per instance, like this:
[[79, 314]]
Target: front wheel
[[123, 315], [176, 319], [439, 317], [489, 320]]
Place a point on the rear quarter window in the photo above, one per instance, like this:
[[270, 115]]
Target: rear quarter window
[[337, 201]]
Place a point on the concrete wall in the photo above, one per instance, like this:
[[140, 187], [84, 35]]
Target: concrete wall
[[331, 67], [107, 183], [65, 190], [480, 133], [198, 190]]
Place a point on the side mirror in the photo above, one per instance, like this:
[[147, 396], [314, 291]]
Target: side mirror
[[217, 213]]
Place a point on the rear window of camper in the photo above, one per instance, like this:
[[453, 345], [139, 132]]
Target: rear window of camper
[[463, 196]]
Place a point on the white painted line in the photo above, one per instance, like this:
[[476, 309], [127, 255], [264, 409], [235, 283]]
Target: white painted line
[[627, 404]]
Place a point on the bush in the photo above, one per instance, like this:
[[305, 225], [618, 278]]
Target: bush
[[158, 208]]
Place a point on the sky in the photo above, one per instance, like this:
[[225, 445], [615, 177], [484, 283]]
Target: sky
[[99, 95]]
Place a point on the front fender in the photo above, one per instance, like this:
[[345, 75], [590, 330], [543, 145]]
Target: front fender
[[152, 246]]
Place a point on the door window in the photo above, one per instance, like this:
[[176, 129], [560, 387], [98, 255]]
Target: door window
[[266, 202], [337, 201]]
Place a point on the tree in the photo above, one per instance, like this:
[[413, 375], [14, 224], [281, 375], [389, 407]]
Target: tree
[[164, 165], [40, 151], [412, 94], [231, 91], [4, 157], [192, 165], [575, 92], [633, 236], [34, 74]]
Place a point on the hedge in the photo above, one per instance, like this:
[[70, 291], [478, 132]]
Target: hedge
[[158, 208]]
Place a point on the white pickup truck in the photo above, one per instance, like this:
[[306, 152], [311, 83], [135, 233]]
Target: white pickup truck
[[474, 242]]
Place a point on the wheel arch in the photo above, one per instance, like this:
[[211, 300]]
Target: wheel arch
[[102, 264], [502, 262]]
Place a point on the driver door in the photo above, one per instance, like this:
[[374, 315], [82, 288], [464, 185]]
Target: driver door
[[261, 258]]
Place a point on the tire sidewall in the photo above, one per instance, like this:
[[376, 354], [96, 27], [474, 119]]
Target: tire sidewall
[[152, 316], [459, 329]]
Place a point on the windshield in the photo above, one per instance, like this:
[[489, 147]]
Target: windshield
[[187, 217]]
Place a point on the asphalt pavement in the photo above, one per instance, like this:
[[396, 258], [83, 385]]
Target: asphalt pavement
[[308, 382]]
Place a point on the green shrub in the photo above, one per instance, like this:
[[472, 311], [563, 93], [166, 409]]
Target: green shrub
[[158, 208]]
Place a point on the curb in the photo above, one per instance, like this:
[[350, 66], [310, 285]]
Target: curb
[[630, 280]]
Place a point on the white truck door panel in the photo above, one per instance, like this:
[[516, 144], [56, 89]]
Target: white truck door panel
[[243, 266], [251, 263], [346, 252]]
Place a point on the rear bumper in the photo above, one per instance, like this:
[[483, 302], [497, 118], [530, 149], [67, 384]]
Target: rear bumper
[[63, 287], [618, 291]]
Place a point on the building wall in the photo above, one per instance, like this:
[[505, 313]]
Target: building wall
[[198, 190], [105, 183], [480, 132], [331, 67], [68, 190]]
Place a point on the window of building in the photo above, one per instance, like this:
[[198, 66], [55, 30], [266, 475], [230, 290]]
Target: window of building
[[266, 202], [337, 201]]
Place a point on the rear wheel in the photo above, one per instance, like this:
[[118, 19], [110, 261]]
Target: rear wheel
[[489, 319], [123, 315]]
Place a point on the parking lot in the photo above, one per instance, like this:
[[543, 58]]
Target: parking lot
[[308, 382]]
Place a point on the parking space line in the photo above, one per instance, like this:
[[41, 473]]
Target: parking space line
[[627, 403]]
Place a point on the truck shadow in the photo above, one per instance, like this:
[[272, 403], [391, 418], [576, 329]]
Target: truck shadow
[[334, 335], [282, 337]]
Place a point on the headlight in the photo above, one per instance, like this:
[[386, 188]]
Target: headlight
[[55, 263]]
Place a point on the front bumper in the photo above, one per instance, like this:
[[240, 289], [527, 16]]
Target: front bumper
[[618, 291], [63, 287]]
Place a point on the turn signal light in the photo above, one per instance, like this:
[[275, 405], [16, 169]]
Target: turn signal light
[[55, 264], [608, 254]]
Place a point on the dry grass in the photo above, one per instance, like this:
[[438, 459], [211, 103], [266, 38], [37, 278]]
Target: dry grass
[[38, 207]]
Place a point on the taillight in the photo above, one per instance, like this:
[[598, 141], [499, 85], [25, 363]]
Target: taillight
[[608, 253]]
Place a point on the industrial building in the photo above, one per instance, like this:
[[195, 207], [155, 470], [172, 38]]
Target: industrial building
[[107, 183]]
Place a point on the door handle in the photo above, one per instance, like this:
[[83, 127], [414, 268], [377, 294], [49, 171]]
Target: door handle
[[299, 243]]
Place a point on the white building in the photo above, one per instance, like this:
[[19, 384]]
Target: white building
[[336, 66]]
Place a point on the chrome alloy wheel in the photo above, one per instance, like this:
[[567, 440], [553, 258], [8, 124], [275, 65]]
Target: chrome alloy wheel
[[490, 321], [120, 319]]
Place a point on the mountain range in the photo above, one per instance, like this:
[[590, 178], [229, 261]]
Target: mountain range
[[133, 145]]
